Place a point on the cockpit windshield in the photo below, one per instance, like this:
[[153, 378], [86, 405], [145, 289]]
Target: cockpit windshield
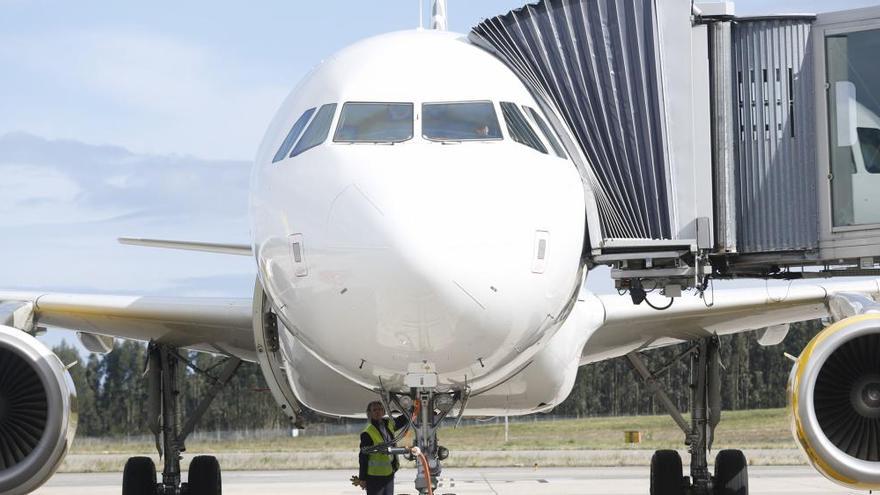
[[460, 121], [375, 123], [545, 129], [293, 135], [519, 128]]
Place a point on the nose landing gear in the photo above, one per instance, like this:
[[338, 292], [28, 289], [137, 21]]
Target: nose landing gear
[[731, 469], [425, 409]]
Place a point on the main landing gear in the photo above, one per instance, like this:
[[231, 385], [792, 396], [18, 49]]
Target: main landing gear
[[139, 476], [731, 469]]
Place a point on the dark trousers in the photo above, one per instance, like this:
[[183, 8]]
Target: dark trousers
[[380, 486]]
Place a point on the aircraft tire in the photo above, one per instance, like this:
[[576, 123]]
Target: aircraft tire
[[666, 473], [731, 473], [204, 476], [139, 477]]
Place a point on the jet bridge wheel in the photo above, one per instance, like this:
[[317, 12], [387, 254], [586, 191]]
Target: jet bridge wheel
[[139, 477], [667, 477], [731, 473], [204, 476]]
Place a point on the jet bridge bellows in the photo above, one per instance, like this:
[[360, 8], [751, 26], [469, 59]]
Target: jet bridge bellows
[[710, 145], [598, 63]]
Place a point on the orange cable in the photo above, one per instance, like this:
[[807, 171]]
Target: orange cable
[[427, 473]]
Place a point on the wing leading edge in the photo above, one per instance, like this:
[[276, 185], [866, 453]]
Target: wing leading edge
[[215, 325], [628, 327]]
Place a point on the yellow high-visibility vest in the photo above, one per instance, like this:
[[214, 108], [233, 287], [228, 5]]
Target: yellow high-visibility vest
[[379, 464]]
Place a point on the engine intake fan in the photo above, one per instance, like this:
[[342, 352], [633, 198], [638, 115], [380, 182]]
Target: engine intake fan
[[847, 398], [834, 393], [37, 412], [24, 409]]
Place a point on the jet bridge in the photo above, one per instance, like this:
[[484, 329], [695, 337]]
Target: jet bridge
[[710, 145]]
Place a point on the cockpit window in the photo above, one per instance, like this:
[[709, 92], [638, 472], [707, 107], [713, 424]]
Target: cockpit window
[[317, 131], [461, 121], [294, 133], [375, 123], [548, 133], [519, 128]]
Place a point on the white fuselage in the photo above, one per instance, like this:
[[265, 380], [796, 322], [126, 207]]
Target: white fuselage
[[462, 258]]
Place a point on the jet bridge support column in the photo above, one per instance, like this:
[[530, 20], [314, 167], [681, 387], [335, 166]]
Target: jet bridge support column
[[723, 162]]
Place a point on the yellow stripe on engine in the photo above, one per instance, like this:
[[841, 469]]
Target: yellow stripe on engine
[[800, 435]]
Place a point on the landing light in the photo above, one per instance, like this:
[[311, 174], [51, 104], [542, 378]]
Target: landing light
[[405, 402], [444, 402]]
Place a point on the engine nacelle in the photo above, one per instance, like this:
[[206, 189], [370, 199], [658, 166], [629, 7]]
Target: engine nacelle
[[834, 395], [37, 412]]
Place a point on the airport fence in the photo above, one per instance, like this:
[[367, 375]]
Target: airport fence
[[313, 429]]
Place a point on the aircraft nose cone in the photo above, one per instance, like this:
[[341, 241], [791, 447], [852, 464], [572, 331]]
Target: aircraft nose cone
[[429, 257], [871, 395], [439, 272], [355, 221]]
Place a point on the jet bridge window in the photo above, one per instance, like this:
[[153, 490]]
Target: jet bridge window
[[294, 133], [374, 123], [519, 128], [548, 133], [460, 121], [853, 77], [317, 131]]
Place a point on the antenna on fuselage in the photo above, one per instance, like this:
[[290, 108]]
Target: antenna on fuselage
[[438, 15], [421, 14]]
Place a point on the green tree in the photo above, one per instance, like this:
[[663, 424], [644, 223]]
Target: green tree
[[753, 377], [85, 394]]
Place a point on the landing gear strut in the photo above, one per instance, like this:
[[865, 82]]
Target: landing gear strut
[[139, 477], [425, 410], [426, 420], [731, 472]]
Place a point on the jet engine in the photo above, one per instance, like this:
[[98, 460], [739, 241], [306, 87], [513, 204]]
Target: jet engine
[[834, 394], [37, 412]]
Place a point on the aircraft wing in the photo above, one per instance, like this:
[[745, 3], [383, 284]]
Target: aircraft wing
[[628, 327], [215, 325]]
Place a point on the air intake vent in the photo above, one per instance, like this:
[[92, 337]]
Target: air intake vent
[[847, 398], [24, 409]]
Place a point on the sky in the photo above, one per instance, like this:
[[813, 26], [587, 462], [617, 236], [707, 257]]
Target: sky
[[140, 119], [197, 77]]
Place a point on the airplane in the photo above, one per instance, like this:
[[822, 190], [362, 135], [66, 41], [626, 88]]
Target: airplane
[[419, 235]]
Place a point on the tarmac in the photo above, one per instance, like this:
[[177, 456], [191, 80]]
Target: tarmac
[[763, 480]]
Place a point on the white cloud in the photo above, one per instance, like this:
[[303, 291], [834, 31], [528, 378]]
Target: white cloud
[[67, 202], [26, 183], [34, 195], [148, 92]]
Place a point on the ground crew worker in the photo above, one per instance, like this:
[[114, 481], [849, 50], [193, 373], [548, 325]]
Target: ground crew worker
[[377, 470]]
